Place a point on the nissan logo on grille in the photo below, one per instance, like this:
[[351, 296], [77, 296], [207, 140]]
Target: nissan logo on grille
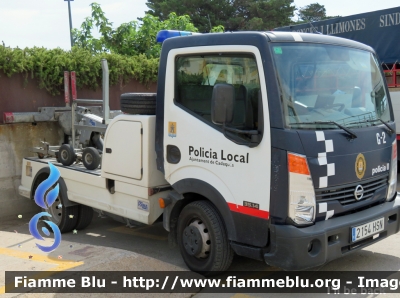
[[359, 192]]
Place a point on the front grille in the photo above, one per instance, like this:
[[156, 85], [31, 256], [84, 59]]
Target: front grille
[[345, 194]]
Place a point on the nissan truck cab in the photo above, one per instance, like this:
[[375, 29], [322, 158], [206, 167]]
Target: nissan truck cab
[[272, 145]]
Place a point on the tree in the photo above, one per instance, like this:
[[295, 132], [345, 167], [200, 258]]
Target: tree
[[132, 38], [232, 14], [272, 13], [312, 13], [202, 13]]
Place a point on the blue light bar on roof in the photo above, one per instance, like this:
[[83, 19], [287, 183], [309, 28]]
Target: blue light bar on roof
[[164, 34]]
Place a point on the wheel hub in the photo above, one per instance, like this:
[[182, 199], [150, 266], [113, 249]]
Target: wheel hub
[[88, 158], [196, 239], [56, 211], [64, 154]]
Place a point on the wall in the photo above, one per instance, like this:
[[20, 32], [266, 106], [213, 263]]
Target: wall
[[18, 95], [16, 139], [15, 143]]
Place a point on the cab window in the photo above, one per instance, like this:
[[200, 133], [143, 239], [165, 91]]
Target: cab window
[[196, 77]]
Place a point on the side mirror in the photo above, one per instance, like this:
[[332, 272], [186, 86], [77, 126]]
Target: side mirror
[[222, 102]]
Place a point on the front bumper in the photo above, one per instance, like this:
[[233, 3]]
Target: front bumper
[[331, 239]]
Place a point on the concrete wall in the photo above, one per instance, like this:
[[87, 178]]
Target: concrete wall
[[15, 143]]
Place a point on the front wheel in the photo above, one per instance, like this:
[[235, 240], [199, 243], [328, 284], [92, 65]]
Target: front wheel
[[202, 238]]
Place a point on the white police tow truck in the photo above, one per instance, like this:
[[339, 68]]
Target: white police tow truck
[[272, 145]]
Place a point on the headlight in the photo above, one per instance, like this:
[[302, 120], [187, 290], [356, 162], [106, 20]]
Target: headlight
[[393, 173], [301, 190]]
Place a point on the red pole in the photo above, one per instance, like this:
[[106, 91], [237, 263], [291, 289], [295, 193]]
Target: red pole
[[73, 85], [66, 88]]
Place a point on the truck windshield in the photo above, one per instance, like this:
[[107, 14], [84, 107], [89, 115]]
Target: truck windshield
[[323, 83]]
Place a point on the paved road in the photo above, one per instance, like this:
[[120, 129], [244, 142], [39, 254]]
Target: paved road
[[108, 245]]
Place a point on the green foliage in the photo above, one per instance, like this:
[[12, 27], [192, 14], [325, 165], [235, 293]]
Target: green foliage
[[313, 12], [129, 38], [130, 49], [145, 37], [217, 29], [48, 66], [184, 78], [234, 15], [268, 14], [204, 14]]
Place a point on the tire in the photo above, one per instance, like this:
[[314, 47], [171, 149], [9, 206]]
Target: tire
[[139, 103], [65, 218], [202, 238], [91, 158], [66, 155], [85, 217]]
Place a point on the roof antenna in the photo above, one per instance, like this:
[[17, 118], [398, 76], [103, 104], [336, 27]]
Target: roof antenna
[[309, 22]]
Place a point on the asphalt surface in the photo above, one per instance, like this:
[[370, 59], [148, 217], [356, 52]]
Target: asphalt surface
[[107, 245]]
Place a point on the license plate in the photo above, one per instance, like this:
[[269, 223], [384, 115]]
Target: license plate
[[368, 229]]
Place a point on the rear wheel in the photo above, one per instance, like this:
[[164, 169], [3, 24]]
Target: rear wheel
[[139, 103], [91, 158], [202, 238], [65, 218], [85, 217]]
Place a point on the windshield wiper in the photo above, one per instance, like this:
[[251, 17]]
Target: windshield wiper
[[350, 132], [391, 130]]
